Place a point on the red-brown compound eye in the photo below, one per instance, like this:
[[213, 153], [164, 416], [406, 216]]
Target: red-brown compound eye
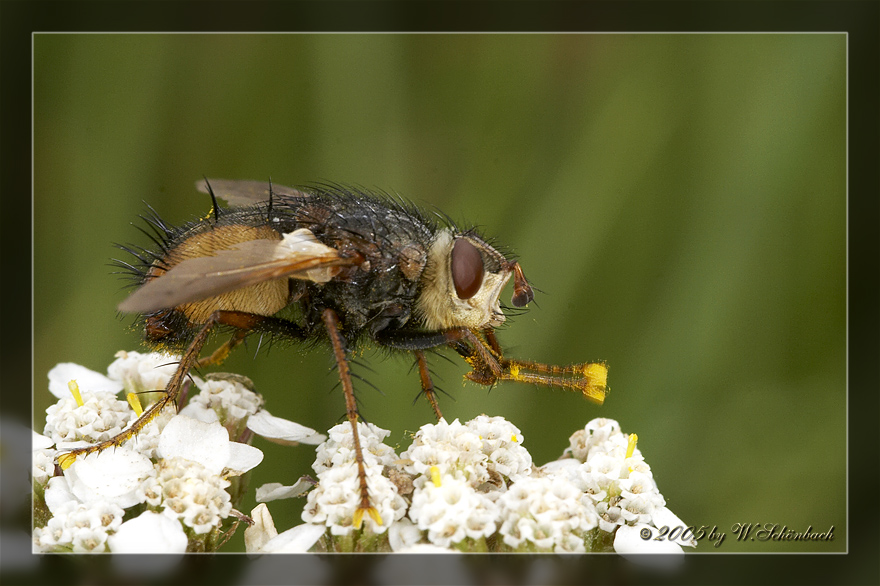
[[467, 269]]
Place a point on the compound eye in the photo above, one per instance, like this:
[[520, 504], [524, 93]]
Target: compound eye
[[467, 269]]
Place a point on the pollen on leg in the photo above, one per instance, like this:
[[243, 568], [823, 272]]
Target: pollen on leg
[[358, 518], [65, 460]]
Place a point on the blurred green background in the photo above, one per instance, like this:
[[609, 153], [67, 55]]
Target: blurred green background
[[679, 200]]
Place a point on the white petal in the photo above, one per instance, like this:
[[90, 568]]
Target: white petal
[[297, 540], [111, 475], [560, 466], [41, 442], [263, 529], [275, 490], [200, 412], [205, 443], [88, 380], [149, 533], [58, 494], [664, 517], [267, 425], [243, 457], [403, 535], [642, 538]]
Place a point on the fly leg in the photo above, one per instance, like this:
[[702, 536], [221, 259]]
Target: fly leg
[[484, 355], [220, 354], [331, 323], [427, 384], [241, 320], [417, 342]]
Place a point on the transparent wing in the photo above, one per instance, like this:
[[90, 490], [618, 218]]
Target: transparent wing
[[298, 255], [239, 193]]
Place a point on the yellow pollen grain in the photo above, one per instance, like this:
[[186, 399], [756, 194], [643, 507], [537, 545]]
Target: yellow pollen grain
[[74, 390]]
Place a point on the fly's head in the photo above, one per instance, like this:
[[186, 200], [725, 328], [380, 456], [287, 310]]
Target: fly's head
[[462, 281]]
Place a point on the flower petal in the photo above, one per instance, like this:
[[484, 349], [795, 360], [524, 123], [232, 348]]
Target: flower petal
[[200, 412], [664, 517], [267, 425], [297, 540], [263, 529], [149, 533], [111, 475], [88, 380], [58, 494], [641, 538], [41, 442], [275, 490], [243, 457], [188, 438]]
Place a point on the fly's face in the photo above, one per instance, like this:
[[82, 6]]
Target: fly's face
[[462, 282]]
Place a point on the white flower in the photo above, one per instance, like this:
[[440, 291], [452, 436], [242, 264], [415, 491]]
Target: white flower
[[112, 475], [262, 537], [150, 532], [545, 512], [143, 372], [403, 535], [337, 497], [452, 511], [99, 417], [188, 491], [78, 527], [43, 466], [229, 397], [452, 447], [502, 443], [206, 443], [338, 449]]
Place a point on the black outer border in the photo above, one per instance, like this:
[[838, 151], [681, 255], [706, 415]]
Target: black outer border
[[860, 19]]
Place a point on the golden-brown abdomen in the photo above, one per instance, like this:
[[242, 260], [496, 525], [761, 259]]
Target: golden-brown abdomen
[[265, 298]]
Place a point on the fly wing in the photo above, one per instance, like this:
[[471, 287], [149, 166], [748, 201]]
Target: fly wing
[[298, 255], [240, 193]]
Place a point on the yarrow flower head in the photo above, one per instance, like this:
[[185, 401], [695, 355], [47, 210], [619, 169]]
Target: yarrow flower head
[[472, 487], [183, 471], [546, 514], [335, 501]]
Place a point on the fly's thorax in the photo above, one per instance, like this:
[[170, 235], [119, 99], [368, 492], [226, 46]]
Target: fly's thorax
[[461, 283]]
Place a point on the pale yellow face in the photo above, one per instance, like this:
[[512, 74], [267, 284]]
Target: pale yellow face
[[440, 303]]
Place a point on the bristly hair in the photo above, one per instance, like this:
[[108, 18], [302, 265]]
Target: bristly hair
[[160, 235]]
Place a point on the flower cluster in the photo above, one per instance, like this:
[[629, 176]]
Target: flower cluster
[[472, 487], [336, 499], [169, 488]]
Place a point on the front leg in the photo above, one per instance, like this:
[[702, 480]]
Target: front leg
[[417, 342], [482, 351]]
